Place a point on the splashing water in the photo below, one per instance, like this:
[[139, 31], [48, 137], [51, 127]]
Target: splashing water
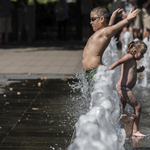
[[98, 128], [145, 61], [125, 39], [110, 56]]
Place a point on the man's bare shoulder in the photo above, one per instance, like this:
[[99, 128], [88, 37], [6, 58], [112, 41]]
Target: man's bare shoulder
[[100, 32], [100, 35]]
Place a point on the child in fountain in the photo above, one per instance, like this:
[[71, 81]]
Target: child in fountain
[[104, 31], [127, 81]]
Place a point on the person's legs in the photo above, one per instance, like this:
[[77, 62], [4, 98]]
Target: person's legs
[[136, 33], [130, 30], [129, 98], [127, 120], [145, 33], [20, 25], [1, 35], [59, 29], [65, 29], [7, 29], [2, 29], [85, 27], [137, 25], [146, 22], [122, 32]]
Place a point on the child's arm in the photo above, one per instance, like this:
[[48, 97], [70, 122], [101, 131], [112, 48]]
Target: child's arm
[[141, 69], [112, 30], [121, 61], [115, 14]]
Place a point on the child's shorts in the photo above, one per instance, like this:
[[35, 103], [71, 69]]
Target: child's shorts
[[89, 74], [119, 88]]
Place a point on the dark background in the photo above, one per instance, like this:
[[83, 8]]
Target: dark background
[[45, 21]]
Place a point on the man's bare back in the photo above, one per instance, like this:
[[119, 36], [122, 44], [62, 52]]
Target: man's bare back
[[93, 51]]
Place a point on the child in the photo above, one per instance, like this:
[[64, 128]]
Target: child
[[104, 31], [98, 42], [127, 81]]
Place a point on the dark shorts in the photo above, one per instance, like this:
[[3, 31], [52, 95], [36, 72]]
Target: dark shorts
[[89, 74]]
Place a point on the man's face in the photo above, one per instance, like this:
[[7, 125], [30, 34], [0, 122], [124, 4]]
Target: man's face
[[95, 22]]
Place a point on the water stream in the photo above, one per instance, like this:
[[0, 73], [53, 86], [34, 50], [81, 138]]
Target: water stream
[[98, 127]]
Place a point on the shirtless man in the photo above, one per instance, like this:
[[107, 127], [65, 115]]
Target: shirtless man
[[104, 31], [97, 43], [127, 80]]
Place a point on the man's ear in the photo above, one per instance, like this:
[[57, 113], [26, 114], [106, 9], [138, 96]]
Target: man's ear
[[102, 19]]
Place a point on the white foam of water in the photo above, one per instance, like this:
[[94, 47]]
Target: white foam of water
[[125, 39], [110, 56], [98, 128], [145, 61]]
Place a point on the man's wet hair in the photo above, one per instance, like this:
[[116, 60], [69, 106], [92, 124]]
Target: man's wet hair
[[100, 10]]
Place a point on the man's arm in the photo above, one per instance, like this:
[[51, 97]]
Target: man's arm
[[115, 14], [121, 61], [112, 30]]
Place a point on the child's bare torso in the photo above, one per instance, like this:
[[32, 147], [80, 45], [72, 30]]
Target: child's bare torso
[[94, 49], [128, 75]]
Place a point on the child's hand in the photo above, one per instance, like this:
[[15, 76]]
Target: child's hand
[[117, 12], [110, 68], [132, 14], [141, 69]]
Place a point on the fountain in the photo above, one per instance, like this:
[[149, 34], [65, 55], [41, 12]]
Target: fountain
[[125, 39], [98, 128], [143, 79]]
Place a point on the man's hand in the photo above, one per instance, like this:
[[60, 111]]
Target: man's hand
[[141, 69], [117, 12], [132, 14]]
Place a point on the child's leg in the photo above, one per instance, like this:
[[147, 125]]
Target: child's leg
[[129, 98], [128, 120], [123, 102]]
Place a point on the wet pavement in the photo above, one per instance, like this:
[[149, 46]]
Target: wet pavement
[[36, 107], [33, 114], [34, 94], [37, 114]]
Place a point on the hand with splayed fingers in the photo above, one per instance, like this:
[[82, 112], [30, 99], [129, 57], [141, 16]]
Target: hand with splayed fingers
[[117, 12], [132, 14]]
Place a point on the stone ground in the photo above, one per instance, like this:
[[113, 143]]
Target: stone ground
[[35, 95]]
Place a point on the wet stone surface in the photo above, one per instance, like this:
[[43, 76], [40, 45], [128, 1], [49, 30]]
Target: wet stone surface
[[33, 114], [39, 114]]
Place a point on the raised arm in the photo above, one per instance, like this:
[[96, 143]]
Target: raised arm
[[115, 14], [112, 30], [121, 61]]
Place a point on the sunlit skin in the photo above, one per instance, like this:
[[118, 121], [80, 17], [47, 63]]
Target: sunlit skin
[[98, 42], [128, 78]]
